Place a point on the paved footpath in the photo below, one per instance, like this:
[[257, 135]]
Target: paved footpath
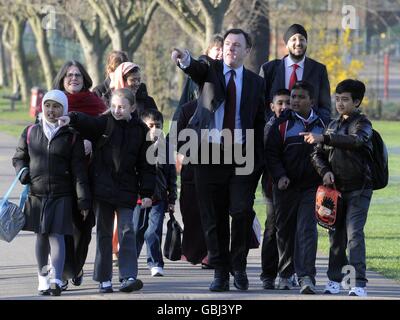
[[182, 281]]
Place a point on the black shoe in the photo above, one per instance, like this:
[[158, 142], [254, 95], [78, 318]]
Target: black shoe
[[268, 283], [55, 289], [44, 292], [77, 281], [129, 285], [64, 285], [221, 281], [105, 287], [240, 280], [219, 285]]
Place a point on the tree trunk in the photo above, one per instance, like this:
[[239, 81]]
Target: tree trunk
[[3, 71], [213, 24], [117, 40], [93, 48], [260, 32], [253, 18], [42, 47], [15, 46]]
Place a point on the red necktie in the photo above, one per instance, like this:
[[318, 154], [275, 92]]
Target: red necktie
[[293, 77], [230, 104]]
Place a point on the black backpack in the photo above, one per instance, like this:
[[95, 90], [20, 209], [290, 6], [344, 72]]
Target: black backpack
[[379, 157]]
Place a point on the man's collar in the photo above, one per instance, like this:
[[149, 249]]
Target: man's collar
[[238, 71], [290, 62]]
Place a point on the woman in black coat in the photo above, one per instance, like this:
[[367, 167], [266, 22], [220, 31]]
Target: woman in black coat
[[57, 177]]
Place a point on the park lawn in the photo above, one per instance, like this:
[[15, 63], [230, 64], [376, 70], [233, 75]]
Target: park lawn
[[382, 228], [13, 122]]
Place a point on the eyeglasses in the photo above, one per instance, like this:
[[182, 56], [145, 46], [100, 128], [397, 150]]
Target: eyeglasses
[[71, 75]]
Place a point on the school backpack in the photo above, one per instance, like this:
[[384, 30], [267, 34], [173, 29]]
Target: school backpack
[[379, 158]]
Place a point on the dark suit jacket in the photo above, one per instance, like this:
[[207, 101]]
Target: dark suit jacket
[[314, 72], [208, 74]]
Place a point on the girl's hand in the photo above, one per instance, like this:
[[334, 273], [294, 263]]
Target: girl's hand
[[63, 121], [171, 208]]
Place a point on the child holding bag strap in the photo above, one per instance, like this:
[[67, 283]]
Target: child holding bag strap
[[56, 172]]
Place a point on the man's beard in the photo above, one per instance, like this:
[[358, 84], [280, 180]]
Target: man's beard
[[297, 57]]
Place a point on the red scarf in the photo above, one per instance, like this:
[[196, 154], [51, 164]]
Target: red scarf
[[86, 102]]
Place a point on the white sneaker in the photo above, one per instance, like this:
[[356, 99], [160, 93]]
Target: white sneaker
[[332, 287], [157, 272], [44, 283], [358, 291]]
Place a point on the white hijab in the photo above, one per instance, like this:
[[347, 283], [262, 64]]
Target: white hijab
[[49, 128]]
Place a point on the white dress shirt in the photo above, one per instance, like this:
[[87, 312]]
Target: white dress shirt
[[217, 121], [289, 69]]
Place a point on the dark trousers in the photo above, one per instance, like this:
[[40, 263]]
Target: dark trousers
[[349, 234], [269, 249], [127, 257], [193, 243], [296, 225], [221, 193]]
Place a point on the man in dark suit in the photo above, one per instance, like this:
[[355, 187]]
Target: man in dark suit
[[283, 73], [231, 100]]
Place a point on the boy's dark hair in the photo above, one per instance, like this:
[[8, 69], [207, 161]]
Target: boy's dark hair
[[59, 79], [305, 86], [152, 114], [249, 43], [281, 92], [355, 87]]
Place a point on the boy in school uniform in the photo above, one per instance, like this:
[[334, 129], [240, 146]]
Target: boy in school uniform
[[269, 250], [295, 182], [148, 222], [341, 157]]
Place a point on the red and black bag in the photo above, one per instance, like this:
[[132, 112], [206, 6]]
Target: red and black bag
[[328, 205]]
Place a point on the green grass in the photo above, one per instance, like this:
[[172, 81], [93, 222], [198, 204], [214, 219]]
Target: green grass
[[382, 229], [13, 122]]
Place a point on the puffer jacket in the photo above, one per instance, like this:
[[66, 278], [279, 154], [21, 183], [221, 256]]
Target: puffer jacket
[[56, 168], [345, 152], [119, 170]]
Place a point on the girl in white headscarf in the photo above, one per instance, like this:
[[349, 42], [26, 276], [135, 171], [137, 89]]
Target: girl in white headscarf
[[56, 171]]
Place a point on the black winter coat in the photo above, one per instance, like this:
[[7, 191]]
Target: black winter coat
[[143, 100], [119, 170], [165, 188], [57, 168], [345, 152]]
